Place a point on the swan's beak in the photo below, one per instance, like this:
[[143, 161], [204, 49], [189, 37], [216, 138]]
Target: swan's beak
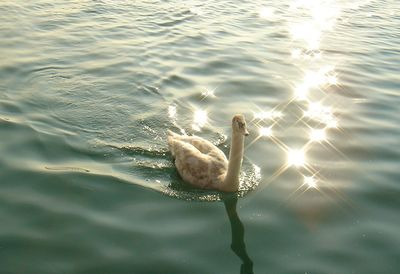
[[246, 133]]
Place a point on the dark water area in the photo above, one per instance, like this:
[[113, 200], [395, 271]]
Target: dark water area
[[88, 90]]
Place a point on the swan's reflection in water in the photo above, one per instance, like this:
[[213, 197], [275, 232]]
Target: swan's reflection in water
[[238, 246]]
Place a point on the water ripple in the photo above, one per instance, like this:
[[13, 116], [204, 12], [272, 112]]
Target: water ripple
[[89, 88]]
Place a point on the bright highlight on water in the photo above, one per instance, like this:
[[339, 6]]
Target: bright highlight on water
[[265, 131], [296, 157], [310, 182], [199, 119], [317, 135]]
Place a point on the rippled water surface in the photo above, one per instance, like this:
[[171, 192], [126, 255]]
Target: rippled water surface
[[88, 90]]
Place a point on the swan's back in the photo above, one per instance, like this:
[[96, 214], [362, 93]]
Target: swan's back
[[197, 160]]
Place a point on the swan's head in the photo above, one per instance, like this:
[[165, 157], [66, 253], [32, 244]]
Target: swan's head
[[239, 125]]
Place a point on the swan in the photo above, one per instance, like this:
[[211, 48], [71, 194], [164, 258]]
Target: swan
[[203, 165]]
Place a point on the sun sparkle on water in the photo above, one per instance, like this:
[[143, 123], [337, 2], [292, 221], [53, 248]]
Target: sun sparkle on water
[[323, 15], [207, 92], [318, 111], [267, 115], [296, 157], [199, 119], [310, 182], [322, 114], [308, 33], [266, 12], [317, 135], [313, 19], [265, 131], [332, 80], [301, 92], [172, 112], [313, 79], [332, 123], [295, 53]]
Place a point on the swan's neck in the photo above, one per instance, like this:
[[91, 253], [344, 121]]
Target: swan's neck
[[231, 181]]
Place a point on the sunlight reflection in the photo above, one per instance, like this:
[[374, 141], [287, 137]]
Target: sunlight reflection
[[323, 17], [266, 12], [312, 79], [321, 77], [305, 54], [317, 135], [309, 22], [196, 10], [332, 123], [315, 78], [296, 157], [301, 92], [308, 33], [296, 53], [257, 171], [332, 80], [320, 113], [172, 112], [267, 115], [199, 119], [325, 14], [310, 182], [316, 109], [265, 131], [207, 92]]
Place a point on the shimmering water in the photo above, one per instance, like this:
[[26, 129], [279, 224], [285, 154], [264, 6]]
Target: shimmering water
[[88, 90]]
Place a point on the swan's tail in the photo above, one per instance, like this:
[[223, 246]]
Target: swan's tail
[[171, 141], [172, 134]]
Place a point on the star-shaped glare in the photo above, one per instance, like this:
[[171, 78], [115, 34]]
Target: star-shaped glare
[[310, 182], [265, 131], [296, 157], [207, 92]]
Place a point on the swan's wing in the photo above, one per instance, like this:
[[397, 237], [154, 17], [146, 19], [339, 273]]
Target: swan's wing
[[174, 141], [196, 168], [204, 146]]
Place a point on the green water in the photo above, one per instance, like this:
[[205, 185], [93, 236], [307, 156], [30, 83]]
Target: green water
[[88, 90]]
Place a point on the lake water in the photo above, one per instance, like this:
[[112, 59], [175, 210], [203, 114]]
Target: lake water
[[88, 90]]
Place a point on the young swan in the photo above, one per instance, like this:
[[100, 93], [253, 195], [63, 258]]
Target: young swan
[[203, 165]]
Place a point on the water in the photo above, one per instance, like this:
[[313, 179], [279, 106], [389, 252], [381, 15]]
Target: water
[[88, 90]]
